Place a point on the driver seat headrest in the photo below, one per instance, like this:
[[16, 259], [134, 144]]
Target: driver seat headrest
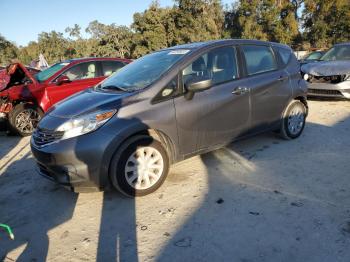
[[199, 65], [91, 68]]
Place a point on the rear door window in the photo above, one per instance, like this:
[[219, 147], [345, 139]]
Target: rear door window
[[259, 59], [109, 67]]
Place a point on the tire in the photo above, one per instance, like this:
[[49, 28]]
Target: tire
[[124, 174], [293, 122], [19, 116]]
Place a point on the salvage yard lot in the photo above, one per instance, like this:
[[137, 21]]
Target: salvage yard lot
[[261, 199]]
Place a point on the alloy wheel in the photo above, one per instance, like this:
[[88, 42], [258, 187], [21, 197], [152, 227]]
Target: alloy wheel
[[27, 120]]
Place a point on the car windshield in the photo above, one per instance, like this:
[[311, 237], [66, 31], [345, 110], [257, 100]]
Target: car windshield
[[143, 71], [341, 52], [314, 56], [47, 73]]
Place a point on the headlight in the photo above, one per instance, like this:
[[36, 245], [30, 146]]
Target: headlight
[[85, 124], [306, 77]]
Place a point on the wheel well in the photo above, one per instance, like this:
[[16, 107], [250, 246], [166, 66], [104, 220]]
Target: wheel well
[[17, 102], [304, 101], [161, 137]]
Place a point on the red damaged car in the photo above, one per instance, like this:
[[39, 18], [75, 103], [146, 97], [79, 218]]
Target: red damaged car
[[25, 97]]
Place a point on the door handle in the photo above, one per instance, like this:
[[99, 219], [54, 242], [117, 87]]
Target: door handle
[[282, 78], [240, 90]]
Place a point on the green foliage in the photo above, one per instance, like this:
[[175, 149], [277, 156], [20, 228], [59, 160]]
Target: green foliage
[[151, 30], [326, 21], [109, 40], [187, 21], [263, 20], [198, 20], [53, 46], [8, 51], [323, 23], [29, 53]]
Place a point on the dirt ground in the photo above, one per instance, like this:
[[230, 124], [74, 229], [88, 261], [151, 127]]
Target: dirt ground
[[262, 199]]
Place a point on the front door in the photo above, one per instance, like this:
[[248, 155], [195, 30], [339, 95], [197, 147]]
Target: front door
[[218, 114], [81, 76]]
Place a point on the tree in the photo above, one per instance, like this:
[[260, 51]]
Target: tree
[[8, 51], [109, 40], [53, 46], [29, 53], [272, 20], [198, 20], [153, 29], [77, 45], [326, 21]]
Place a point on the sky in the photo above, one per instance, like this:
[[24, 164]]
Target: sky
[[22, 20]]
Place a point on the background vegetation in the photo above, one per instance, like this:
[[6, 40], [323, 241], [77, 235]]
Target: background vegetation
[[299, 23]]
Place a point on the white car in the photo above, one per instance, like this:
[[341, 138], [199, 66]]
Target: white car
[[331, 76]]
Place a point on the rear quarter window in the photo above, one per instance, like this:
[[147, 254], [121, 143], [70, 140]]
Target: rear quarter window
[[285, 55], [259, 59]]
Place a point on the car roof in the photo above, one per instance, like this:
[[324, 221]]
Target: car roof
[[86, 59], [345, 43], [200, 45]]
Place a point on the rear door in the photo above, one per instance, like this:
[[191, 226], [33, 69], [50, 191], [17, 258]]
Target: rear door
[[269, 85], [81, 76], [216, 115]]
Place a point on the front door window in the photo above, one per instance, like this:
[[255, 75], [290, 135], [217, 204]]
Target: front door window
[[82, 71]]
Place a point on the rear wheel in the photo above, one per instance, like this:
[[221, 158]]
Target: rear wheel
[[293, 121], [24, 118], [139, 167]]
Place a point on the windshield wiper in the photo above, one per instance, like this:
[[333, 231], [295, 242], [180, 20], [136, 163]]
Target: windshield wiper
[[111, 87]]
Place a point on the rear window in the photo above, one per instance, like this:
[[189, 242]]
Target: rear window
[[284, 54], [109, 67], [259, 59]]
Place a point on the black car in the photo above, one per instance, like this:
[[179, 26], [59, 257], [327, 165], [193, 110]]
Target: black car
[[168, 106]]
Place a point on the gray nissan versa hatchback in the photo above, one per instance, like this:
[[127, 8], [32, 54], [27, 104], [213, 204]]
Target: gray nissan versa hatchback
[[168, 106]]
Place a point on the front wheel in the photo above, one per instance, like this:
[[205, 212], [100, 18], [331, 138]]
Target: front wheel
[[24, 118], [139, 167], [293, 122]]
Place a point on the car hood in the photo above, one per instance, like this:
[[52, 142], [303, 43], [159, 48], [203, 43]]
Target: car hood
[[327, 68], [5, 75], [87, 102]]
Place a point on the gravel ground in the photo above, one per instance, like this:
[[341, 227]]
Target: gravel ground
[[261, 199]]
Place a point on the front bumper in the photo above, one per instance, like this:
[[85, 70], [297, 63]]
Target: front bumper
[[80, 163], [340, 90]]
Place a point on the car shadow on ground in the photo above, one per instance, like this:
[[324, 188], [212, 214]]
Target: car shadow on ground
[[10, 143], [32, 206], [262, 205]]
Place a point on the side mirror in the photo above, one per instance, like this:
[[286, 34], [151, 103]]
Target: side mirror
[[197, 85], [62, 80]]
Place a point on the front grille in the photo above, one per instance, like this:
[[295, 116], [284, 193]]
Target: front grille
[[43, 136], [324, 92], [336, 79]]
